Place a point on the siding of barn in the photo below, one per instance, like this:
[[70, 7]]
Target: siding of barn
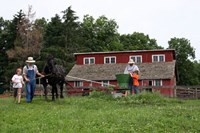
[[150, 71], [123, 57]]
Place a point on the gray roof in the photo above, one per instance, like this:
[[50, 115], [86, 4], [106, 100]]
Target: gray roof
[[98, 72]]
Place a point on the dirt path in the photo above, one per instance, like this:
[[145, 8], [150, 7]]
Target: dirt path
[[5, 95]]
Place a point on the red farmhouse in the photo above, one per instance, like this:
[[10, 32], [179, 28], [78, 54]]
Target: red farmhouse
[[157, 68]]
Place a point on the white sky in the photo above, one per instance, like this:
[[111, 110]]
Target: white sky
[[160, 19]]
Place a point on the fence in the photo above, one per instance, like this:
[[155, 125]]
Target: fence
[[182, 92]]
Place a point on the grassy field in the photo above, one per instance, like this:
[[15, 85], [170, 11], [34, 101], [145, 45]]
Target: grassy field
[[100, 113]]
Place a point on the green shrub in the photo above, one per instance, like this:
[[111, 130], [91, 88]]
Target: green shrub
[[149, 98], [145, 98], [101, 95]]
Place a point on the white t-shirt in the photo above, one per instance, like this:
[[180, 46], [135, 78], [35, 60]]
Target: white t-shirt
[[18, 80], [130, 69]]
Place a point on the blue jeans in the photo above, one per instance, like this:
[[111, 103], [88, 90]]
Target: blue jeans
[[135, 89], [30, 86], [30, 89], [130, 82]]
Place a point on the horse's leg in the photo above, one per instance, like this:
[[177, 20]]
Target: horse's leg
[[45, 91], [44, 83], [56, 89], [53, 90], [61, 90]]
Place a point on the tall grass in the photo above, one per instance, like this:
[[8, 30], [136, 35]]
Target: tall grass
[[100, 112], [146, 98]]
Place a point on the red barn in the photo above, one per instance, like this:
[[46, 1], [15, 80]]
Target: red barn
[[157, 68]]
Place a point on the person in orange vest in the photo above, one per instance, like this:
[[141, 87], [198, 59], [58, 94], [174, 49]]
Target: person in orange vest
[[135, 87]]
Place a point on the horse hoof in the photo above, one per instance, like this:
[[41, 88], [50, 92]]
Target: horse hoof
[[61, 96]]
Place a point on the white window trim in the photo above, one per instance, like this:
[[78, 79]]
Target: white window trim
[[102, 84], [154, 82], [109, 59], [136, 58], [81, 83], [158, 55], [89, 60]]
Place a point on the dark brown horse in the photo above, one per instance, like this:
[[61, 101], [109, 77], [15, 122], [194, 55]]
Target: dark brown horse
[[55, 75]]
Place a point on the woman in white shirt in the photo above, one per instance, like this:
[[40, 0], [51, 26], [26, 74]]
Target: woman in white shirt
[[130, 68], [18, 83]]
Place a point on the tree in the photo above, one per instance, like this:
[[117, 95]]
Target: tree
[[100, 34], [12, 29], [8, 33], [3, 42], [41, 24], [54, 33], [184, 54], [28, 40], [62, 38], [138, 41], [71, 29], [195, 75]]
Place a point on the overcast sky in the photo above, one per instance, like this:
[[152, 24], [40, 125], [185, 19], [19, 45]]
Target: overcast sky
[[160, 19]]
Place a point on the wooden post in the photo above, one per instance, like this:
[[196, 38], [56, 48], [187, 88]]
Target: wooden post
[[175, 87], [196, 96], [40, 87]]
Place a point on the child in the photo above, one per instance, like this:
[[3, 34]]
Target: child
[[135, 77], [18, 82]]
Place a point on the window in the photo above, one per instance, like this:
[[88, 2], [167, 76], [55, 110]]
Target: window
[[78, 83], [158, 58], [89, 60], [150, 83], [105, 83], [161, 58], [157, 82], [110, 60], [155, 58], [137, 58]]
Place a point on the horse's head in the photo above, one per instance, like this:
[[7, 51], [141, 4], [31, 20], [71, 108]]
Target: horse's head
[[50, 60], [51, 63]]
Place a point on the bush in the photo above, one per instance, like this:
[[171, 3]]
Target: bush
[[149, 98], [2, 90], [144, 98], [100, 94]]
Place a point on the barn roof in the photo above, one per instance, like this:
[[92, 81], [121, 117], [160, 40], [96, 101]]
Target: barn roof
[[129, 51], [98, 72]]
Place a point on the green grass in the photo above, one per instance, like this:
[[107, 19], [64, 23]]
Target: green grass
[[100, 113]]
